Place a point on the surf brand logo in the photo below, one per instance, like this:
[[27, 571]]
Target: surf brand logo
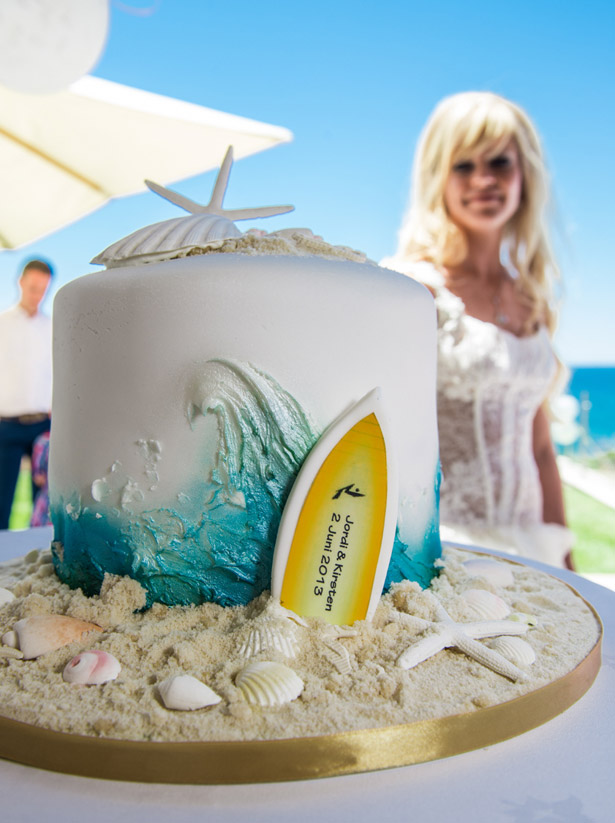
[[349, 491]]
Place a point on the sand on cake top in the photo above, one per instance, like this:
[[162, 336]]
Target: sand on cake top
[[351, 677]]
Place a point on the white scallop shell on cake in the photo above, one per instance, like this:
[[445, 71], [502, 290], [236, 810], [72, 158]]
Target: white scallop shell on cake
[[92, 668], [274, 629], [168, 239], [493, 571], [265, 683], [270, 635], [515, 649], [184, 692], [485, 605]]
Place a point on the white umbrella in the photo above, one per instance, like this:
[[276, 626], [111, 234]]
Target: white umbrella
[[64, 155]]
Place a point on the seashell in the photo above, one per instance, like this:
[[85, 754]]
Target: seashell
[[269, 684], [7, 652], [92, 668], [515, 649], [169, 238], [275, 609], [271, 635], [185, 693], [45, 633], [485, 605], [10, 639], [339, 656], [336, 632], [523, 617], [6, 596], [493, 571]]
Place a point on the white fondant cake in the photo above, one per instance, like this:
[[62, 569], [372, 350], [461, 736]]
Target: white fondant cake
[[188, 392]]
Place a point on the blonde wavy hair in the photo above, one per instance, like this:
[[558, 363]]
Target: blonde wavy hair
[[459, 126]]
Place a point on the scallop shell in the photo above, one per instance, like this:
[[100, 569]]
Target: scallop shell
[[485, 605], [185, 693], [45, 633], [270, 635], [6, 596], [515, 649], [92, 668], [167, 239], [269, 684], [493, 571]]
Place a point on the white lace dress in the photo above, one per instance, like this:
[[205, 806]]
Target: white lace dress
[[490, 386]]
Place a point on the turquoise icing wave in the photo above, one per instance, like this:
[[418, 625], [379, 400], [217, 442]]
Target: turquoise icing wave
[[216, 543], [417, 562]]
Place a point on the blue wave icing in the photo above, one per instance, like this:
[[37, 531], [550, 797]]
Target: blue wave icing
[[416, 562], [216, 542]]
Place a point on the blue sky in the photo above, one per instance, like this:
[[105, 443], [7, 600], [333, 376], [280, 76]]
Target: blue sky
[[355, 82]]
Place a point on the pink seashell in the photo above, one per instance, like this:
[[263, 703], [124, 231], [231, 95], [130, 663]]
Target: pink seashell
[[92, 668], [47, 632]]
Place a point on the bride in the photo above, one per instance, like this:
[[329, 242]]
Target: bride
[[475, 235]]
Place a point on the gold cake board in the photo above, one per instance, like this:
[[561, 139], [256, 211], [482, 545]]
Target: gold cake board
[[265, 761]]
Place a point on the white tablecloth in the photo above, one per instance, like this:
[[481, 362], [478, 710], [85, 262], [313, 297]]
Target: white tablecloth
[[562, 771]]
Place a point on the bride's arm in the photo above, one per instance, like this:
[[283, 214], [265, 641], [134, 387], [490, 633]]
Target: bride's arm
[[544, 454]]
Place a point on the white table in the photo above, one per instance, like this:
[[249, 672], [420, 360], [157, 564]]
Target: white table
[[562, 771]]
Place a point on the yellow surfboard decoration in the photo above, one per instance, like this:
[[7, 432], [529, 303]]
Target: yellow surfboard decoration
[[338, 526]]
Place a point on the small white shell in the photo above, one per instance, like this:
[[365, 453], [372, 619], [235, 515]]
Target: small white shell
[[339, 656], [270, 635], [185, 693], [167, 239], [523, 617], [10, 639], [6, 596], [92, 668], [515, 649], [7, 652], [45, 633], [485, 605], [494, 572], [269, 684]]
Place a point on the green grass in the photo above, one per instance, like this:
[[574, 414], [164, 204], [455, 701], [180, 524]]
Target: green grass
[[22, 502], [592, 523]]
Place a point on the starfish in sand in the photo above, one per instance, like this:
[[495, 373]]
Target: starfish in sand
[[445, 633]]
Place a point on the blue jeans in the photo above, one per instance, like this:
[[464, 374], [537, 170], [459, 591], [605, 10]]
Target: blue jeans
[[16, 440]]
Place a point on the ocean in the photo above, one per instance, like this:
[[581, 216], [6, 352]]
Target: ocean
[[594, 388]]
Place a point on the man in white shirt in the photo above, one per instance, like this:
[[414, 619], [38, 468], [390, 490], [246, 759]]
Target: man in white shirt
[[25, 378]]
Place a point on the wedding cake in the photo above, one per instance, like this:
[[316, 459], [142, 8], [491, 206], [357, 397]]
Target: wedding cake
[[246, 580], [191, 379]]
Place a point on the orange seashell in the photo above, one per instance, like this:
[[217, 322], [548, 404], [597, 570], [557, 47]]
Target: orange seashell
[[47, 632]]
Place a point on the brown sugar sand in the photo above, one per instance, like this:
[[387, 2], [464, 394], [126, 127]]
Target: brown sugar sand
[[351, 677]]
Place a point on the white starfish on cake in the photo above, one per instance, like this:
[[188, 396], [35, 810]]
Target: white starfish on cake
[[215, 204], [445, 633], [205, 227]]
